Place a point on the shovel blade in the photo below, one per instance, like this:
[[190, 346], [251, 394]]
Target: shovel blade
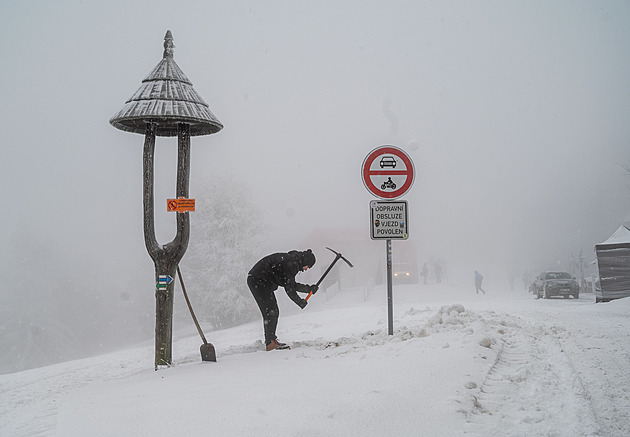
[[208, 353]]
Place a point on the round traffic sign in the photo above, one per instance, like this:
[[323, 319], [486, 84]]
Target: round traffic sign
[[388, 172]]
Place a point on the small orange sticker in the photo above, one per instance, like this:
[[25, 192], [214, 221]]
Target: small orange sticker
[[180, 205]]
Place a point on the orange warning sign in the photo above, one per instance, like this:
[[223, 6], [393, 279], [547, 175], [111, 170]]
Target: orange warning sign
[[180, 205]]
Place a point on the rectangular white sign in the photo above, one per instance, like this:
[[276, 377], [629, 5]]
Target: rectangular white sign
[[389, 220]]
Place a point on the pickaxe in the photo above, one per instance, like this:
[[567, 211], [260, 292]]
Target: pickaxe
[[337, 257]]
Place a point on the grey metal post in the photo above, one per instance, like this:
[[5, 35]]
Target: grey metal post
[[390, 300]]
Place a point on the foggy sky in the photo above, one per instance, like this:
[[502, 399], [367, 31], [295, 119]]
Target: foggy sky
[[515, 114]]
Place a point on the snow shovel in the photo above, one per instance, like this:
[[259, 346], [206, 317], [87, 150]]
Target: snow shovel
[[338, 256], [207, 350]]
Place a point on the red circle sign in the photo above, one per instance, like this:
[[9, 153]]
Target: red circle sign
[[388, 172]]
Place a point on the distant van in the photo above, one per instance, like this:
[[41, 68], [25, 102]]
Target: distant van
[[404, 273]]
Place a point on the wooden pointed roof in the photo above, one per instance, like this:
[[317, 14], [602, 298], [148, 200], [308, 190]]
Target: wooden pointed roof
[[166, 98]]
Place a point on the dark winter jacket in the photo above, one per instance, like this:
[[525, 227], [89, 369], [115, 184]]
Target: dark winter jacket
[[279, 270]]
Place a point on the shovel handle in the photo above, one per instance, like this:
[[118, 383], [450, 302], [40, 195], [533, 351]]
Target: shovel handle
[[309, 296], [192, 313]]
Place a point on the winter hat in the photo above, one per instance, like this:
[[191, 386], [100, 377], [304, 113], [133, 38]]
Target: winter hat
[[308, 258]]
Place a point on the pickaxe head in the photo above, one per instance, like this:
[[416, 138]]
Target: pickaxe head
[[340, 256]]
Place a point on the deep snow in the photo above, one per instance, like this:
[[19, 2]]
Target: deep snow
[[503, 364]]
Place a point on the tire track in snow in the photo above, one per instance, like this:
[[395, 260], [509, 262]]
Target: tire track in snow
[[532, 385], [600, 378]]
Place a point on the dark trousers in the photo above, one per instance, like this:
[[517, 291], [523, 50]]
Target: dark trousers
[[266, 300]]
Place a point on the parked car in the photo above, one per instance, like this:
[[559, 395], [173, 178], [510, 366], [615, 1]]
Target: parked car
[[549, 284]]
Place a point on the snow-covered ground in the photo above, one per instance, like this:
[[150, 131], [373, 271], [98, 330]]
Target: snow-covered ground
[[503, 364]]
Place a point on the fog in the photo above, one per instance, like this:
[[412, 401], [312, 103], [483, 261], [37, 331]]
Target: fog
[[514, 113]]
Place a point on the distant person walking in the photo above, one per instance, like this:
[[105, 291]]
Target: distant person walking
[[478, 281], [437, 268], [424, 272]]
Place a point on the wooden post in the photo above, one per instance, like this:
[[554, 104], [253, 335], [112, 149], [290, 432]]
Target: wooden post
[[165, 258], [166, 104]]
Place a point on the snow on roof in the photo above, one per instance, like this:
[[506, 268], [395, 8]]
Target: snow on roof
[[621, 236], [166, 98]]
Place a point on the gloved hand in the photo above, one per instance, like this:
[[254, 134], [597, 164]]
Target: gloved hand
[[302, 303], [313, 288]]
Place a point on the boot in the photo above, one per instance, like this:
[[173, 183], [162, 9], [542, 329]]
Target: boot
[[275, 344]]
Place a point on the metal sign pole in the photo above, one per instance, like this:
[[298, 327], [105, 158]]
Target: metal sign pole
[[390, 299], [388, 173]]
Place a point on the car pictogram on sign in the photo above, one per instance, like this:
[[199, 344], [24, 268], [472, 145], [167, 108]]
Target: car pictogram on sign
[[388, 161]]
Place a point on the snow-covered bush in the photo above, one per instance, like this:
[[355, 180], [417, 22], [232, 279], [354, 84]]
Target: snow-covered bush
[[227, 232]]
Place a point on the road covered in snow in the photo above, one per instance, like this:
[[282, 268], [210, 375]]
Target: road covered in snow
[[561, 369], [503, 364]]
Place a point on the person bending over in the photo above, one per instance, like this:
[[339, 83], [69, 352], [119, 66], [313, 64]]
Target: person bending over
[[273, 271]]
